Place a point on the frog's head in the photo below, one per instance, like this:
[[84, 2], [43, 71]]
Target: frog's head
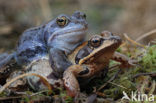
[[66, 32], [98, 50]]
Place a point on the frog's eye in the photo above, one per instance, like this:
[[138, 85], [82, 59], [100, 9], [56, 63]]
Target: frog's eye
[[95, 42], [62, 21]]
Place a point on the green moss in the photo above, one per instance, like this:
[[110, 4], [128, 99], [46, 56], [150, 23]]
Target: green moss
[[148, 61], [121, 83], [124, 81]]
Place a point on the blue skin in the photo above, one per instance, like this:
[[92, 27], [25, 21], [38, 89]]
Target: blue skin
[[53, 39]]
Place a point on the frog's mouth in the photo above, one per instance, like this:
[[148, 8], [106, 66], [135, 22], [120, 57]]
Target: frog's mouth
[[104, 52]]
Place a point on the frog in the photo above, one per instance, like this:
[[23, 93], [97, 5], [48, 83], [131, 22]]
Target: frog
[[92, 59], [57, 39]]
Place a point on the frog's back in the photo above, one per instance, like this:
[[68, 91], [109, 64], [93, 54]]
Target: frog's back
[[31, 45]]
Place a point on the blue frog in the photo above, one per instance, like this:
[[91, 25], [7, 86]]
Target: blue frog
[[57, 39]]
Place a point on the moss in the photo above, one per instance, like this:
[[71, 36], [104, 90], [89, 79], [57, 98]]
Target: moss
[[124, 81], [148, 61]]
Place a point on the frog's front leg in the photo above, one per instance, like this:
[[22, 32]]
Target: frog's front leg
[[123, 59], [59, 61], [70, 79]]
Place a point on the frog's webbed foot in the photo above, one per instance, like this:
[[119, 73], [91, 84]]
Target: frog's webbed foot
[[59, 61]]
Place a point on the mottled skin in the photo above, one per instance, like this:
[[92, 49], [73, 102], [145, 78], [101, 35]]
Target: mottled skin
[[58, 38], [92, 59]]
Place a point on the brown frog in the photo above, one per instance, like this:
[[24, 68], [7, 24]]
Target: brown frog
[[92, 59]]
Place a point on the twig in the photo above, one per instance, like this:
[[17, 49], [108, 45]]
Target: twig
[[140, 38], [154, 41], [7, 98], [132, 41], [145, 35], [118, 85], [144, 74], [38, 93], [24, 75], [153, 87], [24, 95], [112, 68], [123, 44]]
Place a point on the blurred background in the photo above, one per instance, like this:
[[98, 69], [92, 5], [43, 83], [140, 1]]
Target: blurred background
[[134, 17]]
